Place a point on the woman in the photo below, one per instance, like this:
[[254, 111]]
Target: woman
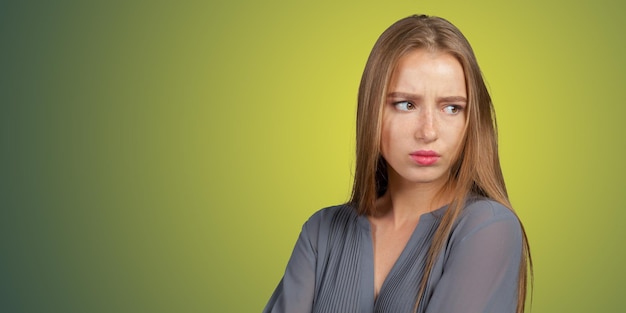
[[429, 227]]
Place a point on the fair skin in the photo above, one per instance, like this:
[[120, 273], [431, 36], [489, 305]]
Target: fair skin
[[422, 128]]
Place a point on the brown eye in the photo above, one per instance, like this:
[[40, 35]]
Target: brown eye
[[404, 106], [452, 109]]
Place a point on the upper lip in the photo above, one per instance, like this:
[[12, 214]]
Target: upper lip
[[425, 153]]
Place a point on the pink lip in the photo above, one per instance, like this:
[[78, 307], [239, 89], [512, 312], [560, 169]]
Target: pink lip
[[425, 157]]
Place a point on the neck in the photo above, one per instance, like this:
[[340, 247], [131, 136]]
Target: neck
[[405, 201]]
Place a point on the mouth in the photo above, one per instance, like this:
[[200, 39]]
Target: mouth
[[425, 157]]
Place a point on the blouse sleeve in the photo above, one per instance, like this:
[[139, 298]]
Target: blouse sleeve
[[294, 293], [481, 266]]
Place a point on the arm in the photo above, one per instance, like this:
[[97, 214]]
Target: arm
[[295, 291], [481, 269]]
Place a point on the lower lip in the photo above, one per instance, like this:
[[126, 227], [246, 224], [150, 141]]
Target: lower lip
[[425, 160]]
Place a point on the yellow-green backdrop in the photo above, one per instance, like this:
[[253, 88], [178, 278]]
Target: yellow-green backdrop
[[161, 156]]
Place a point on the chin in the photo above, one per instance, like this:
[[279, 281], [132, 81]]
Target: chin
[[425, 178]]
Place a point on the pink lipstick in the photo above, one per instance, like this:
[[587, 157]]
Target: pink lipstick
[[425, 157]]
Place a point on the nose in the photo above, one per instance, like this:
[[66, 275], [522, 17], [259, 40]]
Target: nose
[[427, 129]]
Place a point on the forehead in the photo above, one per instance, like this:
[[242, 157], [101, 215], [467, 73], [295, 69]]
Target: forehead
[[425, 71]]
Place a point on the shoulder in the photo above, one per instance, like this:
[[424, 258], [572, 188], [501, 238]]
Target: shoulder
[[482, 209], [482, 213], [325, 217], [327, 223]]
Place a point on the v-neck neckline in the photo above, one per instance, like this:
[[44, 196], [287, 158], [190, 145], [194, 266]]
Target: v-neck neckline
[[368, 275]]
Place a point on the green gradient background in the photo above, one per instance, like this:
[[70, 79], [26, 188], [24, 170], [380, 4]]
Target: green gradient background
[[161, 157]]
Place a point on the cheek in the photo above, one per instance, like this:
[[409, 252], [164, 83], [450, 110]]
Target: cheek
[[456, 131], [388, 136], [394, 137], [458, 138], [458, 134], [384, 140]]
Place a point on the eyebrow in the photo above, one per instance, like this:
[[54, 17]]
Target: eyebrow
[[405, 95]]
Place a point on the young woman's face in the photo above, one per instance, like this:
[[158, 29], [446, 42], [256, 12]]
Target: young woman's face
[[423, 117]]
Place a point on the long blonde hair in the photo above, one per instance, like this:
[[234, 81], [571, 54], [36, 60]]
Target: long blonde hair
[[477, 169]]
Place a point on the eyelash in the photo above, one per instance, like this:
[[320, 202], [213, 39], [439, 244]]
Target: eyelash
[[406, 104], [410, 106], [456, 107]]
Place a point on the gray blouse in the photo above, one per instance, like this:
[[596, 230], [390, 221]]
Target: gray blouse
[[331, 268]]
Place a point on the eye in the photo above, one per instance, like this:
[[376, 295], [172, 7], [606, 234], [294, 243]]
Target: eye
[[452, 109], [404, 105]]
